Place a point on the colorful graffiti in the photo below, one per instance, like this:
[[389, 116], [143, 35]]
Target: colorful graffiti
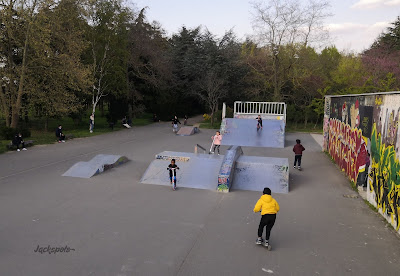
[[368, 124], [347, 147], [384, 178]]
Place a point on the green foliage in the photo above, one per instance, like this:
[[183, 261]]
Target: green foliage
[[8, 133], [229, 112], [69, 55]]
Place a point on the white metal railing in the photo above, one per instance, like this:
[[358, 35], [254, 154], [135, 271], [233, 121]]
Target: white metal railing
[[260, 108]]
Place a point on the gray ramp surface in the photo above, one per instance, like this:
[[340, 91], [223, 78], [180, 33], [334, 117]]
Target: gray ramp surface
[[254, 173], [186, 131], [200, 171], [243, 132], [92, 167]]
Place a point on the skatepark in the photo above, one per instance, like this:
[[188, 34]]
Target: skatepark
[[119, 225]]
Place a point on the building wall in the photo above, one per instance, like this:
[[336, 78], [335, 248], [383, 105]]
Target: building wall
[[355, 126]]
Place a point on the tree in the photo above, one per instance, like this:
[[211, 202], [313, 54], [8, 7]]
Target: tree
[[107, 33], [280, 23], [58, 81], [218, 69], [149, 66], [389, 40], [211, 91], [17, 18], [187, 62]]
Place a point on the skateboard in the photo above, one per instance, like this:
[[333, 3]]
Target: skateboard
[[269, 247]]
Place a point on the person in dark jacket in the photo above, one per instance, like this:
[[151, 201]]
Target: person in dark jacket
[[18, 141], [60, 135], [298, 153]]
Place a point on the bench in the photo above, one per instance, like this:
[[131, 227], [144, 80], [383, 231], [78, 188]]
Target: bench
[[67, 136], [28, 143]]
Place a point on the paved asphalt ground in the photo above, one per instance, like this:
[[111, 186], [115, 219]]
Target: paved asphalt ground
[[118, 226]]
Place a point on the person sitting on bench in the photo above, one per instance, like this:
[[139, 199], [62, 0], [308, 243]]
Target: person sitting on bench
[[19, 141]]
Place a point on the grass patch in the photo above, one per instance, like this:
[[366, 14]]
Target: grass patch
[[293, 127], [372, 207], [78, 130], [207, 125], [353, 185]]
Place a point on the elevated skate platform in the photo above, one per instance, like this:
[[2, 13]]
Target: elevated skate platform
[[243, 132], [96, 165], [212, 172], [198, 171], [187, 130], [253, 173]]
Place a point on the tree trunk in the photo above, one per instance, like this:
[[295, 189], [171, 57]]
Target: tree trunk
[[46, 123], [101, 108], [130, 112], [17, 107], [277, 88], [305, 120], [6, 109], [316, 123]]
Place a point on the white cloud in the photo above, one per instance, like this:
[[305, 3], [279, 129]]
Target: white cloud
[[356, 36], [393, 3], [346, 27], [373, 4]]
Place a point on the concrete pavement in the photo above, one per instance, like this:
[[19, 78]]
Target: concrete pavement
[[118, 226]]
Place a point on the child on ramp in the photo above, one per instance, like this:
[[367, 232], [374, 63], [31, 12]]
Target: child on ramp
[[269, 207], [216, 141], [172, 173], [259, 122]]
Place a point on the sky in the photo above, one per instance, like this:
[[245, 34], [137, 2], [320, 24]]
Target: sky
[[353, 26]]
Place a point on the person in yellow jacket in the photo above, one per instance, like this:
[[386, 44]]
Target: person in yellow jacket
[[268, 207]]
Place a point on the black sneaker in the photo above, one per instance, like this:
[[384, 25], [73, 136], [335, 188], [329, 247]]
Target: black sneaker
[[259, 241]]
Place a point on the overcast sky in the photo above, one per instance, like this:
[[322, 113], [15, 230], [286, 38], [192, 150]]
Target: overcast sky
[[353, 27]]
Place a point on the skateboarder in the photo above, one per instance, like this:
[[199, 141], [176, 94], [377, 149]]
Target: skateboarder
[[175, 122], [268, 207], [172, 172], [91, 123], [216, 141], [298, 153], [259, 122]]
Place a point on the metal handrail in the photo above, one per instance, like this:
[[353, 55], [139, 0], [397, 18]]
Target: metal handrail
[[199, 147]]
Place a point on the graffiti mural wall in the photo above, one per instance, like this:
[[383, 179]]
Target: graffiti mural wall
[[362, 135]]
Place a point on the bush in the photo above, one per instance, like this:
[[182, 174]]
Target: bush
[[8, 133], [229, 112]]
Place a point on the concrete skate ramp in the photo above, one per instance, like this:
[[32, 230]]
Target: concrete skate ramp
[[98, 164], [254, 173], [198, 171], [226, 173], [186, 131], [243, 132]]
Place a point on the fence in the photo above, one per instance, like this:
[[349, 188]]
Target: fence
[[267, 110]]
